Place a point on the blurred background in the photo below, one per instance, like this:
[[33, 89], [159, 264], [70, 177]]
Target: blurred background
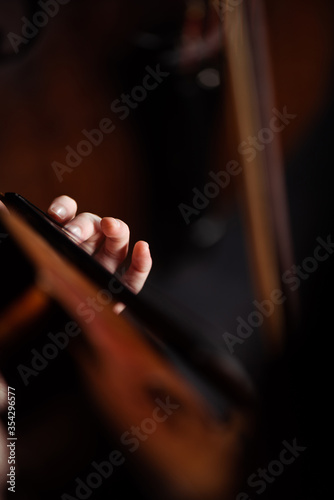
[[60, 73]]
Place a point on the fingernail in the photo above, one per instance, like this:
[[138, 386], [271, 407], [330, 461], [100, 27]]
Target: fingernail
[[75, 230], [58, 210]]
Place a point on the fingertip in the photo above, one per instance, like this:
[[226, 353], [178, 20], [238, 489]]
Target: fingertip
[[58, 211], [109, 224], [143, 246], [75, 231], [141, 256], [112, 227], [63, 208], [140, 267]]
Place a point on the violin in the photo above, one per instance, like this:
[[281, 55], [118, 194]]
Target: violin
[[199, 452], [120, 382]]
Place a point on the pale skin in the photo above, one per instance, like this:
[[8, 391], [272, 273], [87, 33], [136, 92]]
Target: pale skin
[[108, 239]]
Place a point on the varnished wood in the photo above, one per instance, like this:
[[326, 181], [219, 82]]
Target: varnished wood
[[195, 454]]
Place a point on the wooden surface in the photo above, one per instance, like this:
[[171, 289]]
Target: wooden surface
[[194, 454]]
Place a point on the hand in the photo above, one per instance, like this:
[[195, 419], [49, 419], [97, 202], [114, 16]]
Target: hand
[[107, 239]]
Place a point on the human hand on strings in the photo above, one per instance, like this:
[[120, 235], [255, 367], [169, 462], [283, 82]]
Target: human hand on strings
[[107, 239]]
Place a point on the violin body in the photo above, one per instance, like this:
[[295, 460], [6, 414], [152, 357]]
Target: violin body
[[95, 394]]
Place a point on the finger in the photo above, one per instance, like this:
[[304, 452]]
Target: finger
[[135, 277], [63, 209], [116, 244], [140, 267], [86, 228]]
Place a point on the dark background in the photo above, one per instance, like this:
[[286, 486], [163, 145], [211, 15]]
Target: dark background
[[64, 80]]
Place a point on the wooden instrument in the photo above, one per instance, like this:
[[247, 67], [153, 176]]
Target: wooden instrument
[[119, 381], [103, 398]]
